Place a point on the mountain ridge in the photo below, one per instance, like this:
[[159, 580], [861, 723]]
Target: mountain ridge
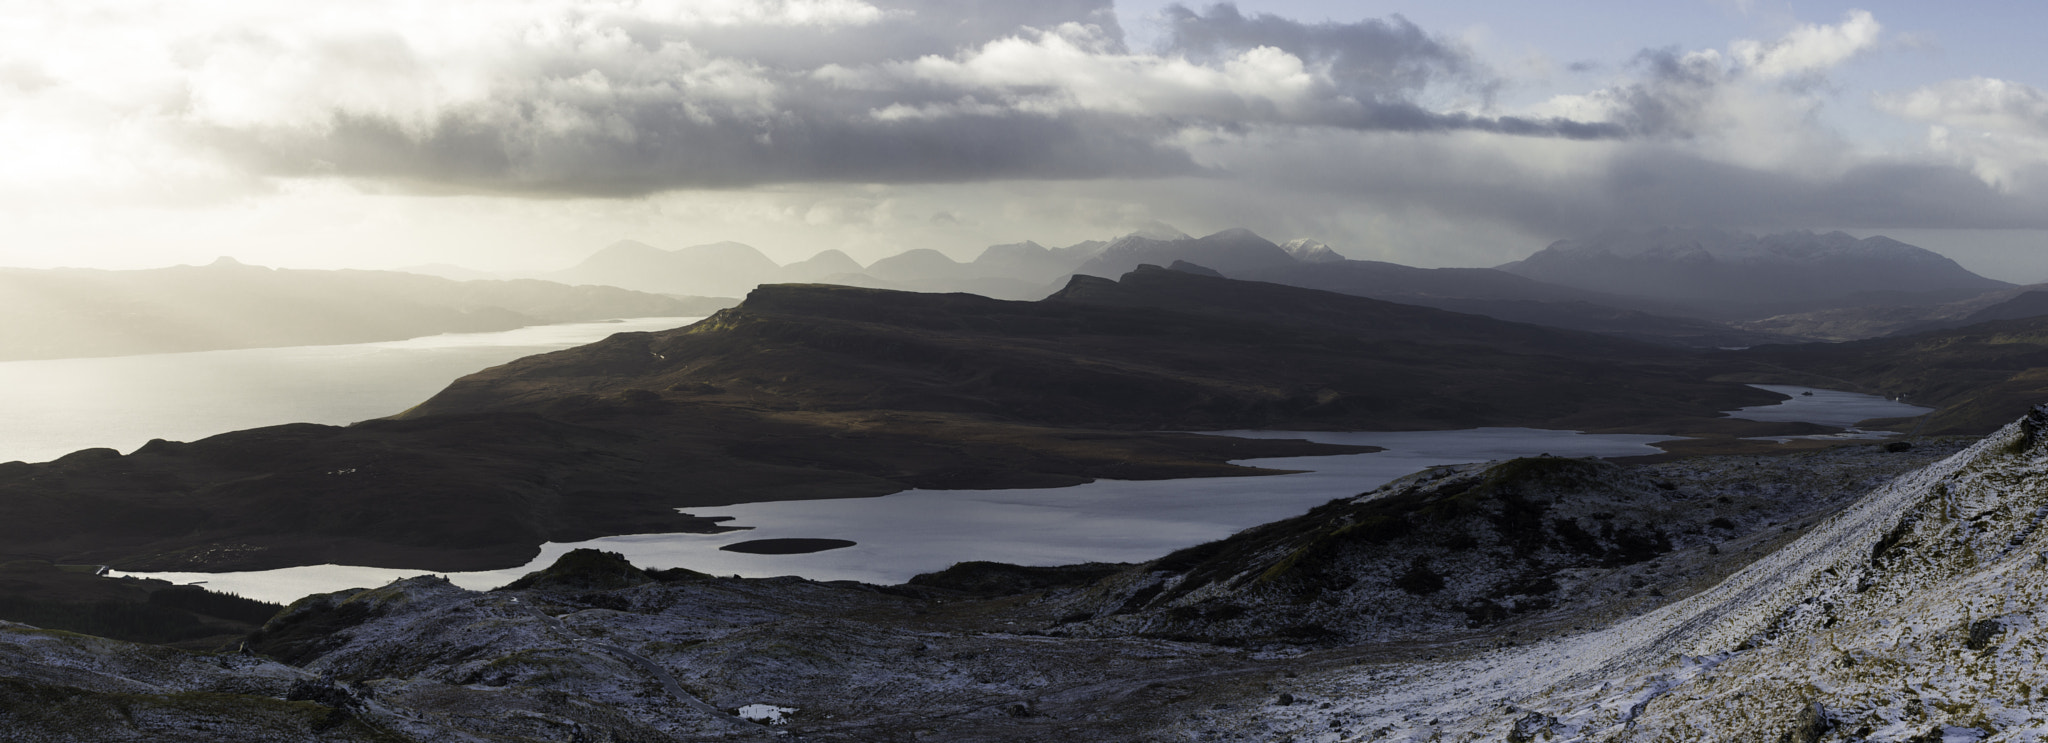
[[1735, 274], [813, 391]]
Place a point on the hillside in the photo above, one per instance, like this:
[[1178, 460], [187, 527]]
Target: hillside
[[811, 391], [1028, 271], [1976, 375], [1503, 546], [1899, 315], [62, 313], [1734, 275], [1843, 614], [1506, 296], [1157, 349]]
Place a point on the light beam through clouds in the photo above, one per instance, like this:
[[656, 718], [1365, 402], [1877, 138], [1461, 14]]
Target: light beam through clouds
[[386, 132]]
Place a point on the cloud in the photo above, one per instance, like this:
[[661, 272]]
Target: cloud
[[617, 98], [1019, 120], [1685, 94], [1978, 103], [1996, 128], [1367, 59], [1808, 49]]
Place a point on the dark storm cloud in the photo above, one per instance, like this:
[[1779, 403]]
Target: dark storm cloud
[[1376, 67], [672, 151], [1371, 58], [1640, 184], [921, 91], [1674, 95]]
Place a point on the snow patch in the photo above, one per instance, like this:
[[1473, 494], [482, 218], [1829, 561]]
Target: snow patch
[[766, 714]]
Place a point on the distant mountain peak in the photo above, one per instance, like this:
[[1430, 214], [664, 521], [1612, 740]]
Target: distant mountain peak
[[1720, 267], [1235, 234], [1157, 230], [1012, 251], [1310, 251], [631, 246]]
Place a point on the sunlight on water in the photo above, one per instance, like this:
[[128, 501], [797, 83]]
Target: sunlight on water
[[59, 406]]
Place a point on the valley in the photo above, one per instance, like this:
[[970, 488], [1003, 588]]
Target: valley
[[534, 491], [991, 652], [583, 371]]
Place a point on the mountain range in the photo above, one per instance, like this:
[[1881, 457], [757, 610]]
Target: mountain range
[[817, 391], [1695, 288], [1853, 592], [1738, 275]]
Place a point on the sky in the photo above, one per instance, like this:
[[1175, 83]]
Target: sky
[[522, 135]]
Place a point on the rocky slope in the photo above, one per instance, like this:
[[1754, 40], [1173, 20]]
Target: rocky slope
[[1912, 615], [1893, 589], [1453, 550]]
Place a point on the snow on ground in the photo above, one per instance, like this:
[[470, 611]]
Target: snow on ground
[[1914, 615]]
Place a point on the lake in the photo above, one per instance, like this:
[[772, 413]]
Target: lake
[[59, 406], [916, 531]]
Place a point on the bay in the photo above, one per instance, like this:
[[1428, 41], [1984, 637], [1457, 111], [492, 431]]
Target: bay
[[916, 531], [54, 407]]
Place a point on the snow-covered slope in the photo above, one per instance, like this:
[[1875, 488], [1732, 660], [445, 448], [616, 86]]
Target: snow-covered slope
[[1914, 615]]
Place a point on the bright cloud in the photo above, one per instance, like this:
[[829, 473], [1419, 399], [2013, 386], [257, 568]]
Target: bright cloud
[[1809, 48], [1997, 128], [865, 121]]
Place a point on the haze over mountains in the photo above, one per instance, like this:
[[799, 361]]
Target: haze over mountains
[[1580, 597], [63, 313], [1742, 275], [1688, 287], [812, 391]]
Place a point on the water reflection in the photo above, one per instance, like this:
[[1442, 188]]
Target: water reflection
[[59, 406], [916, 531]]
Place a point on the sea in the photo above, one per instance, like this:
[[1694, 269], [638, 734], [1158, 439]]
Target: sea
[[52, 408]]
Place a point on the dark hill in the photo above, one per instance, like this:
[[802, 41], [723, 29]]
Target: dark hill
[[1977, 375], [1159, 349], [2028, 304], [1454, 549], [1736, 275], [1506, 296], [811, 391]]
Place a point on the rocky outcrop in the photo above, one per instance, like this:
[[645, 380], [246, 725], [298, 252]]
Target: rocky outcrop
[[1906, 613], [1484, 549]]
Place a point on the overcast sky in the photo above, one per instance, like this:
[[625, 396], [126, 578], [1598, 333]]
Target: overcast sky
[[525, 134]]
